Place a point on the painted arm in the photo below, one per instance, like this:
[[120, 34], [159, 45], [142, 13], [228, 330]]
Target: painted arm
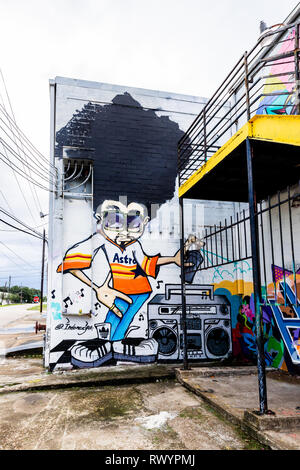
[[105, 294], [172, 259], [177, 258], [169, 259]]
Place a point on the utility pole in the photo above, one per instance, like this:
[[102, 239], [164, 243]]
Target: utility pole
[[42, 273], [2, 297], [8, 291]]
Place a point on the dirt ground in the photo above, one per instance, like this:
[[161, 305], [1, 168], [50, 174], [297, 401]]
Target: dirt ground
[[160, 415]]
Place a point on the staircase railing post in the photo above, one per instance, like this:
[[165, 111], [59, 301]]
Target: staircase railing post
[[247, 85], [256, 282]]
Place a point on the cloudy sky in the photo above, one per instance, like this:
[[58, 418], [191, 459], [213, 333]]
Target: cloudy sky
[[182, 46]]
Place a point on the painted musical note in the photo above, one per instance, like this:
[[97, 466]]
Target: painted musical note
[[53, 294], [82, 294], [97, 305], [141, 317], [66, 300], [157, 285]]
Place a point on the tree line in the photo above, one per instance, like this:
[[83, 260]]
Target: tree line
[[19, 294]]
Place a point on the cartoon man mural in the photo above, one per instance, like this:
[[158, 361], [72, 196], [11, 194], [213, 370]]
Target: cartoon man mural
[[126, 287], [134, 153]]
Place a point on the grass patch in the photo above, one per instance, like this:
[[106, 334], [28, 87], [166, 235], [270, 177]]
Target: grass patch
[[167, 438], [36, 308], [249, 442], [10, 305], [105, 404], [191, 413], [11, 384]]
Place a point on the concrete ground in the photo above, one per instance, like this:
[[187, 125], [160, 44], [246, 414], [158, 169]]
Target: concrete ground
[[233, 391], [158, 415], [11, 313], [17, 325], [140, 407]]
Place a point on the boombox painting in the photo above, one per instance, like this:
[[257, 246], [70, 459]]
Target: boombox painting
[[207, 318]]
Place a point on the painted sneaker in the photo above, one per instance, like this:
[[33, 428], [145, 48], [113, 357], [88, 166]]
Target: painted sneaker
[[93, 353], [135, 350]]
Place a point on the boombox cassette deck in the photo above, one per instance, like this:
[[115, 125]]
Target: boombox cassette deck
[[208, 320]]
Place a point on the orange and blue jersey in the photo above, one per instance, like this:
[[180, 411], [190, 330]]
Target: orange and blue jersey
[[129, 265]]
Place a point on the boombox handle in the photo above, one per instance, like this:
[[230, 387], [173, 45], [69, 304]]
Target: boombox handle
[[176, 288]]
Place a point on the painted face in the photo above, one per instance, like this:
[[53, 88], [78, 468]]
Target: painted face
[[121, 223]]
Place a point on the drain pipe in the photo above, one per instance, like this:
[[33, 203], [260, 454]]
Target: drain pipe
[[183, 295]]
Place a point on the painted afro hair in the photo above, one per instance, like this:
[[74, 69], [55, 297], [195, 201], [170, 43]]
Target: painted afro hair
[[134, 150]]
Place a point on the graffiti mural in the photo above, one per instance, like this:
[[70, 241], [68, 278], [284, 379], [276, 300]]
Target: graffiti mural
[[115, 247], [283, 305], [114, 260], [279, 93], [126, 287], [245, 338], [280, 320]]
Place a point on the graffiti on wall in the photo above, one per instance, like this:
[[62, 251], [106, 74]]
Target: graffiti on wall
[[244, 337], [116, 294], [107, 281], [126, 287], [280, 320], [220, 316], [280, 93], [283, 305]]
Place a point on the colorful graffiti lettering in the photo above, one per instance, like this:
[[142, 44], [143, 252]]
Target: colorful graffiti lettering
[[288, 327], [244, 337], [280, 320], [279, 92]]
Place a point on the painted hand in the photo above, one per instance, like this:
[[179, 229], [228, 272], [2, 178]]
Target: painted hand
[[177, 260], [107, 296], [193, 240]]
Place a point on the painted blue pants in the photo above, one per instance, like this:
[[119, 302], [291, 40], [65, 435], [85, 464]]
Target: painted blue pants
[[119, 326]]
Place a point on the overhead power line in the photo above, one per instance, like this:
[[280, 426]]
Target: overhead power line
[[20, 230], [5, 199], [19, 158], [19, 186], [8, 158], [36, 164], [26, 140], [17, 255], [40, 235], [14, 123], [15, 271], [33, 156], [23, 158], [19, 171], [20, 266], [32, 188], [22, 276]]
